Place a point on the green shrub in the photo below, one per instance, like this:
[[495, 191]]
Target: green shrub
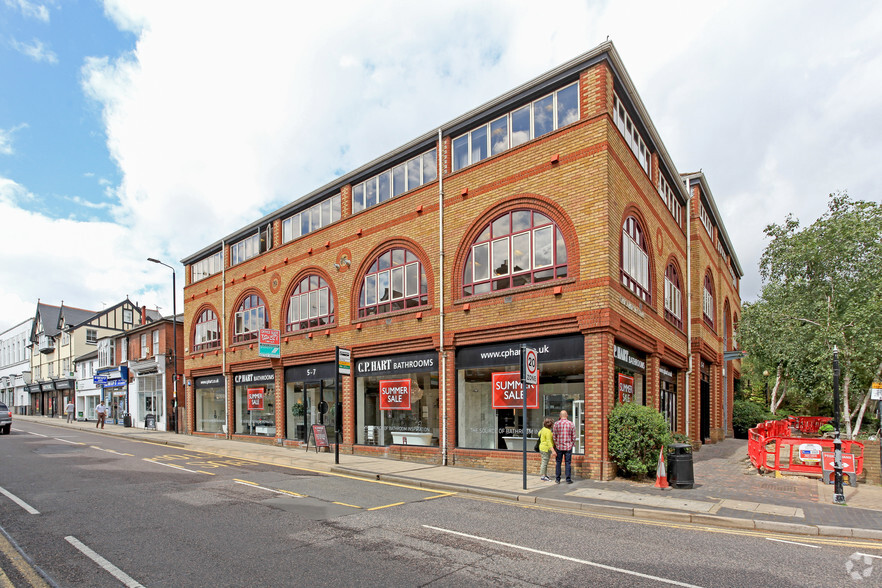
[[636, 433], [825, 428], [746, 415]]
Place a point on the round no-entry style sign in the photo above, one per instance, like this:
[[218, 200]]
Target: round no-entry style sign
[[531, 366]]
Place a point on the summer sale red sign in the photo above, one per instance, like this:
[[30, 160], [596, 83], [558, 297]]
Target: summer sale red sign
[[394, 394], [255, 398], [626, 388], [508, 391]]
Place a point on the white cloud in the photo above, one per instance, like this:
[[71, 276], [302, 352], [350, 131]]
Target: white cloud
[[220, 115], [36, 50], [30, 9], [82, 263], [6, 136]]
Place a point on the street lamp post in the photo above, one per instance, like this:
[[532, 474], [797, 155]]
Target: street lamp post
[[838, 496], [174, 342]]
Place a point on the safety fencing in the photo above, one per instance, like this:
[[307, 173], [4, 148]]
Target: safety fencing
[[771, 446]]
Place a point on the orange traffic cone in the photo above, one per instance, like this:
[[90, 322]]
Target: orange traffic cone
[[661, 477]]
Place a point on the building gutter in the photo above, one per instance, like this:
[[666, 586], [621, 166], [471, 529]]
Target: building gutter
[[223, 331], [688, 301]]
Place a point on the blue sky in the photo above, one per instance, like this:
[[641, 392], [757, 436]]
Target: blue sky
[[60, 147], [151, 129]]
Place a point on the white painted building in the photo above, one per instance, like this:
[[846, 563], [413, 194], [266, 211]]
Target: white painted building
[[15, 366]]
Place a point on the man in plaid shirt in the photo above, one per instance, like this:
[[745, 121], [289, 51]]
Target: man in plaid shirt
[[564, 435]]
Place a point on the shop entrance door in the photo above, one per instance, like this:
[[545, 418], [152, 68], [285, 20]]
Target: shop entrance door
[[313, 404], [705, 410]]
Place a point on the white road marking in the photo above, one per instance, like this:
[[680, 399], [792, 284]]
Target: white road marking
[[793, 543], [286, 492], [168, 465], [37, 434], [18, 501], [66, 441], [564, 557], [868, 555], [114, 571]]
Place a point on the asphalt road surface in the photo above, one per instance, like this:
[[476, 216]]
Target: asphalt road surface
[[81, 509]]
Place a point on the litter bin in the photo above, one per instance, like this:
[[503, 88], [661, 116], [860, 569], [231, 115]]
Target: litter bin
[[127, 420], [680, 466]]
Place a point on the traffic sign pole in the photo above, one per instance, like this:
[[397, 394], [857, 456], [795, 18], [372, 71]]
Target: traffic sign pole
[[529, 374]]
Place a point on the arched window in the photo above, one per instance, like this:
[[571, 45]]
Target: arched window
[[708, 299], [395, 280], [206, 334], [635, 259], [311, 305], [518, 248], [250, 318], [673, 297]]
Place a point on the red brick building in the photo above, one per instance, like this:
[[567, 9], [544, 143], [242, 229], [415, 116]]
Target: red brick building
[[552, 216]]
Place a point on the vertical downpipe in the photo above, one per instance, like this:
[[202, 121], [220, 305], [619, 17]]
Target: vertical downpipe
[[223, 331], [443, 378], [688, 300]]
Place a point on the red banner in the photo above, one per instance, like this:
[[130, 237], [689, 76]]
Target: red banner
[[255, 398], [507, 391], [394, 394], [626, 388]]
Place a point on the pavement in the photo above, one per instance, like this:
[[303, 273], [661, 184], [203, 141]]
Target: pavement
[[728, 491]]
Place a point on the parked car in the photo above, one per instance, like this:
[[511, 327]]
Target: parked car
[[5, 419]]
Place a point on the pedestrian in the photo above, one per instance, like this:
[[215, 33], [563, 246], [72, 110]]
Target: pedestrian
[[69, 409], [101, 411], [564, 435], [546, 448]]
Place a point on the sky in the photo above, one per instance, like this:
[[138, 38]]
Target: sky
[[131, 130]]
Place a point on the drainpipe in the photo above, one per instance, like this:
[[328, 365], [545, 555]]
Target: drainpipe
[[688, 301], [443, 378], [223, 331]]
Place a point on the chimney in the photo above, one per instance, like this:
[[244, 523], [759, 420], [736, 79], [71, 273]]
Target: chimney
[[143, 315]]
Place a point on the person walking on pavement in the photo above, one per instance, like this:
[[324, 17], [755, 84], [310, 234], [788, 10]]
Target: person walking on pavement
[[69, 409], [101, 411], [546, 448], [564, 436]]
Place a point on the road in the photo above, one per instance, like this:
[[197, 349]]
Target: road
[[82, 509]]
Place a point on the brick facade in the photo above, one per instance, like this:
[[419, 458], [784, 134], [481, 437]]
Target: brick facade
[[586, 179]]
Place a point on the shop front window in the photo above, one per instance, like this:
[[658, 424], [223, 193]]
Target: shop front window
[[254, 401], [211, 415], [150, 394], [630, 375], [668, 396], [480, 426], [399, 409]]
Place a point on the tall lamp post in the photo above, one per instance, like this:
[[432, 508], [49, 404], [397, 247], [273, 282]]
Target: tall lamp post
[[174, 341]]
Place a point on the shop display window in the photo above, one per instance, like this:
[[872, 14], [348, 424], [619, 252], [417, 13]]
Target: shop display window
[[480, 426], [413, 420]]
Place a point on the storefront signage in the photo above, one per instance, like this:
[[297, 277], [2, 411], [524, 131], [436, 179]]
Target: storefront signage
[[269, 343], [508, 391], [571, 347], [665, 374], [305, 373], [395, 394], [629, 358], [397, 364], [255, 398], [626, 388], [210, 382], [117, 383], [255, 377]]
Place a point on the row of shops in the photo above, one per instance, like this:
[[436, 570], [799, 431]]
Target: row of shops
[[396, 399]]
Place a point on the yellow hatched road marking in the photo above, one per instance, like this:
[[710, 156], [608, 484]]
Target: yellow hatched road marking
[[19, 563]]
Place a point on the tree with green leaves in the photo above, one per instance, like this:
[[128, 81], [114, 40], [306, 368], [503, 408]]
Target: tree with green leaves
[[822, 287]]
